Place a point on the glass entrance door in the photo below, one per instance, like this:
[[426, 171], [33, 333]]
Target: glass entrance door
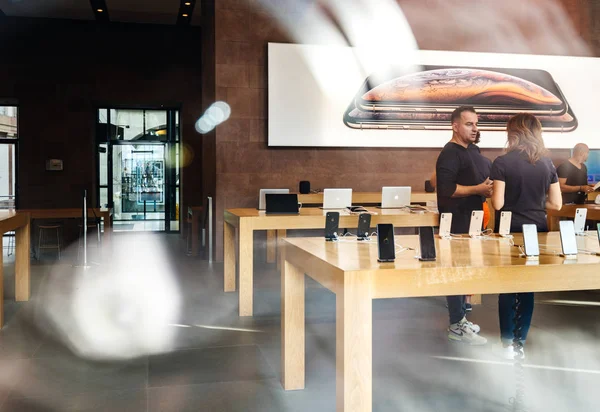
[[138, 168], [139, 195]]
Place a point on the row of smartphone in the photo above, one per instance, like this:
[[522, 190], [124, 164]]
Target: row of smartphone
[[476, 223], [385, 236], [387, 249], [568, 239]]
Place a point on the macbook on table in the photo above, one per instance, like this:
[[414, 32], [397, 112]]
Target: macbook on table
[[394, 197], [282, 203], [337, 198], [263, 192]]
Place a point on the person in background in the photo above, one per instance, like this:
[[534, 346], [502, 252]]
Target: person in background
[[526, 184], [483, 168], [572, 176], [460, 192]]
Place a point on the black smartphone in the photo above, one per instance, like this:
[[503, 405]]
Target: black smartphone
[[426, 243], [332, 221], [385, 242], [364, 224]]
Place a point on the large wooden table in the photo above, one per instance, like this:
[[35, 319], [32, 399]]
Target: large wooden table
[[351, 271], [64, 213], [246, 221], [20, 223], [553, 216]]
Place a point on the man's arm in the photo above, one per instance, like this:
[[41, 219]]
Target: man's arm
[[565, 188], [482, 189]]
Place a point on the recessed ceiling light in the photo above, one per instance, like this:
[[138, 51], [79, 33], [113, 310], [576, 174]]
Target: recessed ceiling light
[[187, 3], [99, 10], [184, 15]]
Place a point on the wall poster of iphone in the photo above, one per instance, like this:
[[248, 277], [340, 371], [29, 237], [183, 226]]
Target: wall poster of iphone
[[476, 223], [504, 228], [424, 100], [445, 225], [530, 240]]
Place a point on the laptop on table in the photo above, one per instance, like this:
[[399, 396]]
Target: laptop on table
[[395, 197], [282, 203], [337, 198], [263, 192]]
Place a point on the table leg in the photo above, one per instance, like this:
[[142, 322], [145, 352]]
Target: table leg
[[281, 234], [271, 246], [246, 282], [22, 269], [229, 257], [292, 327], [475, 299], [354, 351]]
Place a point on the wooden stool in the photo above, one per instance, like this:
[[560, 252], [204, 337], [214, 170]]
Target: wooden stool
[[44, 235]]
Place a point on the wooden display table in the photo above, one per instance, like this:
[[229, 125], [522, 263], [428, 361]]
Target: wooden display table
[[351, 271], [246, 221], [553, 216], [20, 223], [65, 213]]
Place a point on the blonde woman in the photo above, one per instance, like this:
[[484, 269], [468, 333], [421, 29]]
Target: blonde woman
[[526, 184]]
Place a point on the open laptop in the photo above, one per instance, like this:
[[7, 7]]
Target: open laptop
[[394, 197], [282, 203], [337, 198], [261, 196]]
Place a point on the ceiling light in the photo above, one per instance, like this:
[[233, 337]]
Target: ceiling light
[[184, 15], [99, 10], [187, 3]]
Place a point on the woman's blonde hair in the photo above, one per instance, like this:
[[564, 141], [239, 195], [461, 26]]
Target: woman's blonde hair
[[525, 135]]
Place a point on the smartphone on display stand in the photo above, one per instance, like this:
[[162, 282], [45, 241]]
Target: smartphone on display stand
[[445, 225], [364, 225], [385, 242], [332, 220], [504, 228], [579, 223], [530, 240], [568, 241], [476, 223], [426, 244]]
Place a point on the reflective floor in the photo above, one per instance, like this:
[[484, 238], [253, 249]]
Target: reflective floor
[[217, 361]]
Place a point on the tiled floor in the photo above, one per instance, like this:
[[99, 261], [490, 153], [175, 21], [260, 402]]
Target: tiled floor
[[218, 361]]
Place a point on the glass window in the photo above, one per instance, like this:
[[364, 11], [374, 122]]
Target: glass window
[[7, 176], [8, 122]]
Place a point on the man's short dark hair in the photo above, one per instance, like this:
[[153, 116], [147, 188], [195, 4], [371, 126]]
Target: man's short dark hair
[[459, 111]]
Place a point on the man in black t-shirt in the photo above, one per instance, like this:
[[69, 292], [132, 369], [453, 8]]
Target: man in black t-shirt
[[460, 192], [572, 176]]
